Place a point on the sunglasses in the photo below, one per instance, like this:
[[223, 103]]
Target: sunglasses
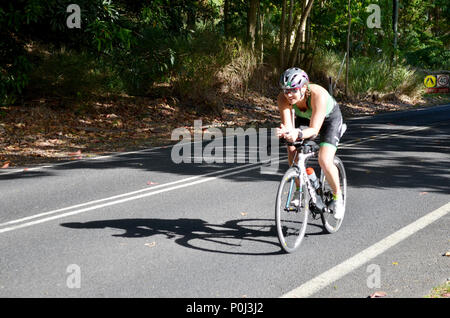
[[291, 90]]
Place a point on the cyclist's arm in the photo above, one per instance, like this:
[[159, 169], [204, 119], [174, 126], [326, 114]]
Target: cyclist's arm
[[285, 112]]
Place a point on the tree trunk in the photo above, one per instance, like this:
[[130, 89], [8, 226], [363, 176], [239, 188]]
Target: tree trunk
[[291, 33], [282, 35], [307, 44], [394, 28], [290, 19], [261, 35], [251, 22], [348, 49], [301, 53], [290, 27], [226, 18], [300, 32], [191, 17], [308, 33]]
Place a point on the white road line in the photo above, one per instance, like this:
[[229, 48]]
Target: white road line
[[316, 284], [46, 219], [381, 136], [136, 192]]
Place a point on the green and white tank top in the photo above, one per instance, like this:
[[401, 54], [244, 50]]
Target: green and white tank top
[[308, 112]]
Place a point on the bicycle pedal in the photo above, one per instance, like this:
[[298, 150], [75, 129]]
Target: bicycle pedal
[[315, 215]]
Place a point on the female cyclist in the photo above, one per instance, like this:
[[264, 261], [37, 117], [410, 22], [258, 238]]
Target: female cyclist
[[316, 108]]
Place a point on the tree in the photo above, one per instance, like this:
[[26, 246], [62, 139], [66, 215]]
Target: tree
[[260, 34], [252, 20], [282, 35], [226, 18], [300, 34], [348, 49], [290, 25], [395, 27]]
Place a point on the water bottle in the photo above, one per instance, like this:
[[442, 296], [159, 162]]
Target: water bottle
[[312, 177]]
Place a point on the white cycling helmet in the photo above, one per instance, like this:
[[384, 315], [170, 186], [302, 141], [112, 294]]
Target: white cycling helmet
[[293, 78]]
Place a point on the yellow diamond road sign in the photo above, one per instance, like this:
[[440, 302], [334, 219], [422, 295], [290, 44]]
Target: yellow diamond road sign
[[430, 81]]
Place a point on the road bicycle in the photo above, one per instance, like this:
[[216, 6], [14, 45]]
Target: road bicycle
[[293, 207]]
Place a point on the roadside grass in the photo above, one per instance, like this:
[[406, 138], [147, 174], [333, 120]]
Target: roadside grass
[[368, 76], [441, 291], [437, 99]]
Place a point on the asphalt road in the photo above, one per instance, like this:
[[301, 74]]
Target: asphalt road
[[139, 225]]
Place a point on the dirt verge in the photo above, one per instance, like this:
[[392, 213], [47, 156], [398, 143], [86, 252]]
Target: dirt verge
[[44, 132]]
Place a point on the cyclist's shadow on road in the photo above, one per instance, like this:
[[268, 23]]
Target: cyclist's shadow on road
[[242, 236]]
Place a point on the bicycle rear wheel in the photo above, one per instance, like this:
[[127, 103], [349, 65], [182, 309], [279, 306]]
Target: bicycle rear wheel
[[291, 218], [330, 224]]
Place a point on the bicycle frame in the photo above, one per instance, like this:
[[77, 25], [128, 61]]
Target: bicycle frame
[[300, 164]]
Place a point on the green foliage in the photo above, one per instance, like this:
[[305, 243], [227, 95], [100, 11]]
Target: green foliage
[[368, 77], [14, 67], [196, 71], [14, 64], [66, 74], [149, 59], [200, 78], [128, 45], [132, 40], [430, 57], [424, 40]]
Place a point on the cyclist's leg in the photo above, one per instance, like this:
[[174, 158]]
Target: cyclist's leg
[[291, 149], [291, 153], [326, 162], [329, 140]]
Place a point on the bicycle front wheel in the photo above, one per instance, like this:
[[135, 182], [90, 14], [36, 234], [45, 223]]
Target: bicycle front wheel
[[331, 224], [291, 211]]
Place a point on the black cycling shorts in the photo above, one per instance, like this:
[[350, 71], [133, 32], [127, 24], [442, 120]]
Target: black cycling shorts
[[330, 132]]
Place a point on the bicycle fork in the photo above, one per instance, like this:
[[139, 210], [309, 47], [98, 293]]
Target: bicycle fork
[[288, 207]]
